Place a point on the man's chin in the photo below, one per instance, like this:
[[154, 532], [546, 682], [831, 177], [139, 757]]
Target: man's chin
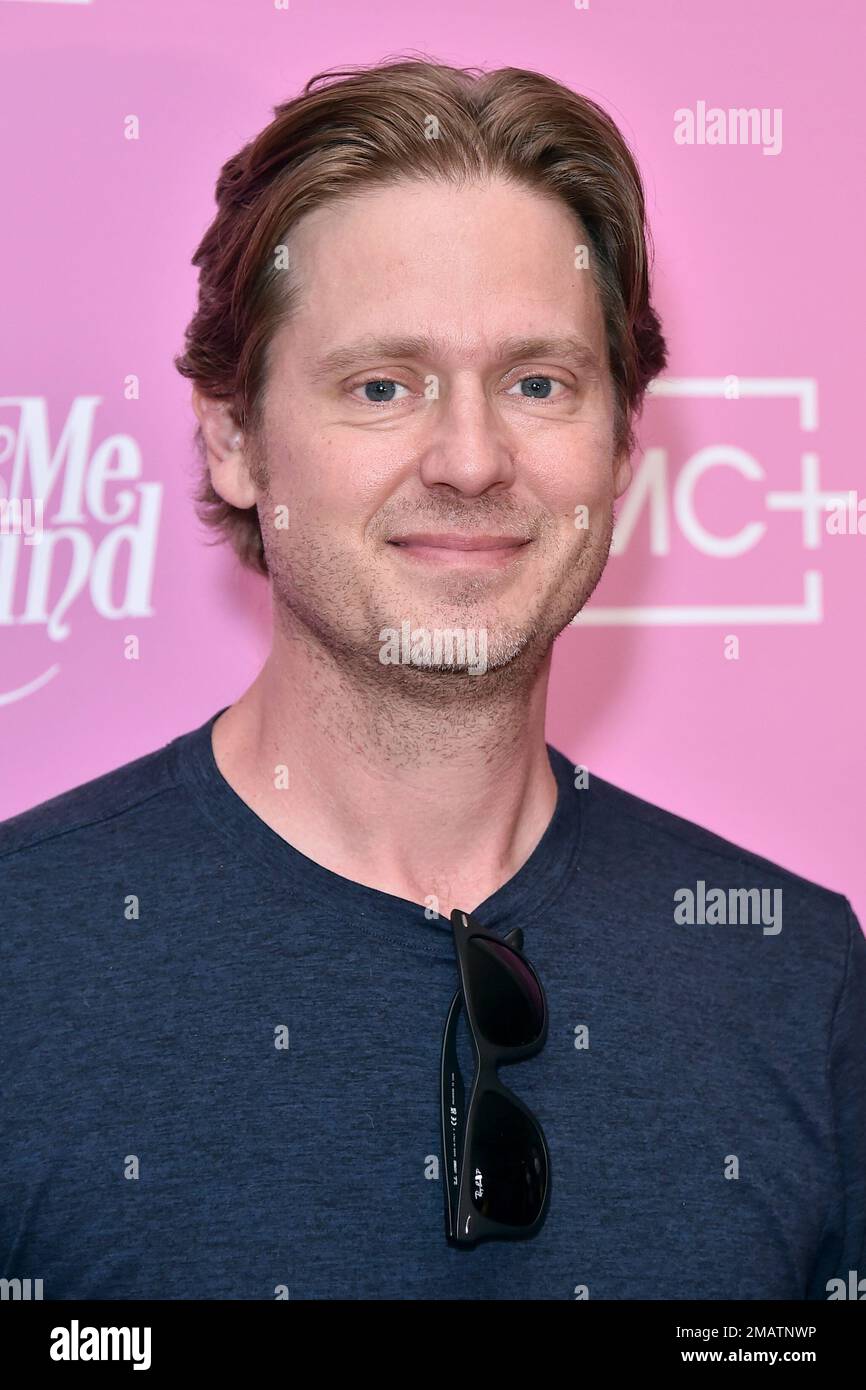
[[448, 645], [477, 629]]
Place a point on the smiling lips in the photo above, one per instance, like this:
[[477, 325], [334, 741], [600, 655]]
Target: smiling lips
[[452, 548]]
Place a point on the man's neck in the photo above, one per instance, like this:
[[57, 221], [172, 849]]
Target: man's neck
[[430, 792]]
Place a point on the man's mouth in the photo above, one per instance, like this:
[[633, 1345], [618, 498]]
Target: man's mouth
[[460, 549]]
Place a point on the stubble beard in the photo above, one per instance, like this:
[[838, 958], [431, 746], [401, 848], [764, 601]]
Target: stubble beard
[[316, 600]]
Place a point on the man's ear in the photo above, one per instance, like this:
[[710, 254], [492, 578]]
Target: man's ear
[[622, 474], [226, 457]]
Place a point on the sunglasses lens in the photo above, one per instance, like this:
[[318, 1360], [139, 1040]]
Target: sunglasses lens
[[506, 995], [509, 1164]]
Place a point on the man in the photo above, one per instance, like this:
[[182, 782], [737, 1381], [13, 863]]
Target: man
[[423, 336]]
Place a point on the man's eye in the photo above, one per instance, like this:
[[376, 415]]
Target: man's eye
[[379, 391], [538, 388], [383, 390]]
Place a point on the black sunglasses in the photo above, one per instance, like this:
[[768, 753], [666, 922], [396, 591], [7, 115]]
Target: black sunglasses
[[496, 1161]]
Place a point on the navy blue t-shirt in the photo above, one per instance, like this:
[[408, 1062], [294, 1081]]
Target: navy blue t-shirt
[[220, 1073]]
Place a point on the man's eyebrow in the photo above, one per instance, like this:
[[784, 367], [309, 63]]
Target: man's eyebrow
[[375, 349]]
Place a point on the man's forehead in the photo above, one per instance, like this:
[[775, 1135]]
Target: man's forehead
[[501, 229], [450, 309]]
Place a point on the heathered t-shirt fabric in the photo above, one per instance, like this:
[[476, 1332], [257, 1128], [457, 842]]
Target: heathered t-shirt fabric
[[234, 1094]]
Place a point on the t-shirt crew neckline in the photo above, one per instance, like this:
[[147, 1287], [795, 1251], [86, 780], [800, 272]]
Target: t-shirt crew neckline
[[521, 901]]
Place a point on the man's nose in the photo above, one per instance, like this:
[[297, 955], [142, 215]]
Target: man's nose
[[469, 446]]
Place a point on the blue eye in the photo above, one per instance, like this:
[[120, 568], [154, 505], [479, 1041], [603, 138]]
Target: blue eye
[[383, 390], [380, 391], [540, 387]]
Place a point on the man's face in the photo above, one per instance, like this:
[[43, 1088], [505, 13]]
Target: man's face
[[439, 482]]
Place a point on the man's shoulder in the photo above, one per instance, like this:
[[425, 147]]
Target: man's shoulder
[[100, 802], [654, 834]]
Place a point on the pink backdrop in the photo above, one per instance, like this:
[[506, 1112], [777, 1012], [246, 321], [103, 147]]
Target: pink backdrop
[[759, 280]]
